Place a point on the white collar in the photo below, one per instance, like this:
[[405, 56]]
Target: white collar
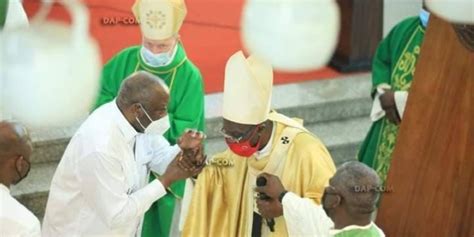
[[4, 188], [268, 148], [125, 127], [351, 227]]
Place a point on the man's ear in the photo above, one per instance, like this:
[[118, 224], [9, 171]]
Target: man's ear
[[332, 198], [19, 162], [137, 110]]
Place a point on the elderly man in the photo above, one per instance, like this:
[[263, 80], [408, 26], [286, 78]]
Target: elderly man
[[15, 151], [347, 206], [162, 54], [100, 186], [259, 141]]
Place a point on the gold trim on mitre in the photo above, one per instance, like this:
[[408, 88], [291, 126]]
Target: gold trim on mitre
[[159, 19], [247, 89]]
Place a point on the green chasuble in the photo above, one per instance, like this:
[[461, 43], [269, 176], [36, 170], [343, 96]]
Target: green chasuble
[[185, 110], [394, 64]]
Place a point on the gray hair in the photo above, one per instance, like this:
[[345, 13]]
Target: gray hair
[[359, 185], [139, 88]]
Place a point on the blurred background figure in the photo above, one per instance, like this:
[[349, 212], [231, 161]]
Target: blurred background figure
[[62, 62]]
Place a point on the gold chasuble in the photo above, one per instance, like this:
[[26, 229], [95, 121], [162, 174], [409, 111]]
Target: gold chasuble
[[223, 199]]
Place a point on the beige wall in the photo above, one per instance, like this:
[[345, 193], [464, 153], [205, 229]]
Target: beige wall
[[397, 10]]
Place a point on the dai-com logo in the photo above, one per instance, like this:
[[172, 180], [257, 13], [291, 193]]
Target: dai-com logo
[[119, 20]]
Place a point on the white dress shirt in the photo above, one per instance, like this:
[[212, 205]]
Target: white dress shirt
[[15, 219], [100, 187]]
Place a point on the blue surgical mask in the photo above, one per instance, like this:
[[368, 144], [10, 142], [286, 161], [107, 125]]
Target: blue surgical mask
[[156, 60], [424, 17]]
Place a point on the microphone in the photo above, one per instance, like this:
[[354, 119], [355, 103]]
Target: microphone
[[262, 181]]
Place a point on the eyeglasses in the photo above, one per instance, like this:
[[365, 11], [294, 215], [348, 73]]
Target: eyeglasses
[[234, 139]]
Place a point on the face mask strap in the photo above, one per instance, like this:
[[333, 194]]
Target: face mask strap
[[140, 123], [254, 133], [146, 113]]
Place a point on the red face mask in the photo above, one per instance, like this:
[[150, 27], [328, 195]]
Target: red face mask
[[243, 148]]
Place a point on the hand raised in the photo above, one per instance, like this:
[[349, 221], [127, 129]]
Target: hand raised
[[191, 139]]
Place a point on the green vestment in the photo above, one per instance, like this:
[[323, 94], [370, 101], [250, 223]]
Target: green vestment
[[185, 110], [394, 64]]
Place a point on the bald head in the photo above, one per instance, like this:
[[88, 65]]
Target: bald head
[[358, 185], [14, 140], [142, 87]]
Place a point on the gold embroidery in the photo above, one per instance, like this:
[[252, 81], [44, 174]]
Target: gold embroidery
[[405, 70], [401, 81], [173, 76], [384, 152], [155, 19]]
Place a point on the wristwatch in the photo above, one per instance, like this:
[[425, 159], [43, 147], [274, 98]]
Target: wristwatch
[[282, 194]]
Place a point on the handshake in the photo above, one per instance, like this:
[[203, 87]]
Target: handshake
[[190, 161]]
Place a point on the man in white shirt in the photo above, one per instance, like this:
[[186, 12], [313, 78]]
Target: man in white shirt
[[100, 186], [15, 151], [347, 204]]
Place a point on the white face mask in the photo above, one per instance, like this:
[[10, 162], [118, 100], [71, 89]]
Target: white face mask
[[157, 127], [157, 60]]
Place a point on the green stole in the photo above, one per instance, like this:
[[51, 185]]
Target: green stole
[[185, 109], [394, 64]]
